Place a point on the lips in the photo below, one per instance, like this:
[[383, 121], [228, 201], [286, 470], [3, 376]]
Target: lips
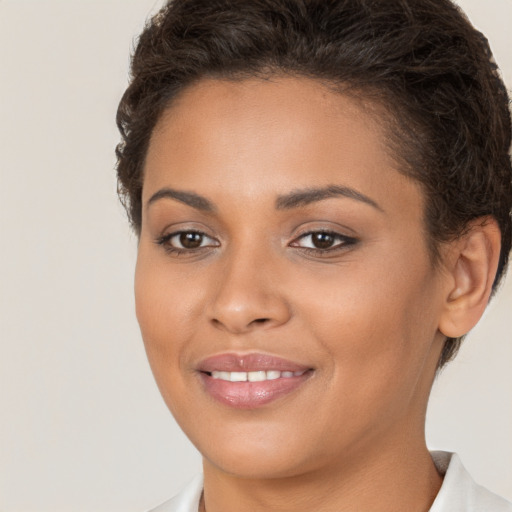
[[248, 362], [251, 380]]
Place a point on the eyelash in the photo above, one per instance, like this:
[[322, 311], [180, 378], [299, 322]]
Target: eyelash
[[343, 242]]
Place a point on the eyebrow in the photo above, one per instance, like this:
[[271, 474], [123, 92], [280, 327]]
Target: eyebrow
[[189, 198], [295, 199], [303, 197]]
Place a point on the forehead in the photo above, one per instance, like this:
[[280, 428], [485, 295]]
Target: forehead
[[256, 107], [240, 138]]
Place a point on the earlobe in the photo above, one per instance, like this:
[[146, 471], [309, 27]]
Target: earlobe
[[472, 267]]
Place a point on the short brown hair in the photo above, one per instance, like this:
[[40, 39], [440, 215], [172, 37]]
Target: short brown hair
[[431, 70]]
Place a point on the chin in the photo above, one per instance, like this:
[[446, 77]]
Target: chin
[[253, 453], [254, 464]]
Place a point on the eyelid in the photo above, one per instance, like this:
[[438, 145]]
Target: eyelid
[[185, 226], [330, 232]]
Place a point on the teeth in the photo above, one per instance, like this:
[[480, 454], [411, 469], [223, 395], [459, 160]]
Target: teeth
[[238, 376], [258, 376]]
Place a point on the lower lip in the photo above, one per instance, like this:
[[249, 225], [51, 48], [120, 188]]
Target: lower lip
[[250, 395]]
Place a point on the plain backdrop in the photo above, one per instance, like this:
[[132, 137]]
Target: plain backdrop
[[82, 425]]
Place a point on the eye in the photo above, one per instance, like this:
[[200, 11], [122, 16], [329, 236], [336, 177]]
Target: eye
[[323, 241], [186, 241]]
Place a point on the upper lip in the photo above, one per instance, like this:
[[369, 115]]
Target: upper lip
[[232, 362]]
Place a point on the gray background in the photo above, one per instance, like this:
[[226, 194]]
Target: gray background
[[82, 426]]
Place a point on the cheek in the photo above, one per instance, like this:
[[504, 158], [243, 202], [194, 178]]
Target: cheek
[[162, 302], [376, 320], [376, 338], [163, 307]]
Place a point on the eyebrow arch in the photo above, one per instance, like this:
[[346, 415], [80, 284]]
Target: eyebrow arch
[[303, 197], [189, 198]]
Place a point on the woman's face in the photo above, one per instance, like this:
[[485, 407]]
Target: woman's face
[[280, 245]]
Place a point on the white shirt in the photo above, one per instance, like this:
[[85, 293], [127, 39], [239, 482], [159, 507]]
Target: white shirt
[[458, 493]]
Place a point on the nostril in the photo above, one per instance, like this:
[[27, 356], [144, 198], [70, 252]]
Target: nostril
[[240, 325]]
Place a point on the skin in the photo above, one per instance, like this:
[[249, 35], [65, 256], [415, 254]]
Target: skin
[[367, 316]]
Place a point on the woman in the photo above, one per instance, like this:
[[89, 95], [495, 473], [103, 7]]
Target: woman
[[322, 194]]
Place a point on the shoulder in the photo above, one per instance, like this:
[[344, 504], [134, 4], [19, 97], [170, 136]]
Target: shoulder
[[460, 492], [186, 501]]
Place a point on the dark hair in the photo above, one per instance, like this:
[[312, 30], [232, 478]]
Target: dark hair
[[447, 110]]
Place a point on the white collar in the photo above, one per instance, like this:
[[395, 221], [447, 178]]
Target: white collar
[[460, 492]]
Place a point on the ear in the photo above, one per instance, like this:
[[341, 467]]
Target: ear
[[471, 264]]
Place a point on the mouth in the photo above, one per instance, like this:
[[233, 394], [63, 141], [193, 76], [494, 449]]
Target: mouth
[[251, 380]]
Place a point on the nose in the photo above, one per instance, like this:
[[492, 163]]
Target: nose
[[249, 295]]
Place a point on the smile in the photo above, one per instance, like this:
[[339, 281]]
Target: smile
[[258, 376], [251, 380]]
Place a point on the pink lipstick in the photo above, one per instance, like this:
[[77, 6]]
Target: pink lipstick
[[251, 380]]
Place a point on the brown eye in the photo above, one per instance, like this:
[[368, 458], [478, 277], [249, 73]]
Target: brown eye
[[322, 240], [191, 240], [186, 241]]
